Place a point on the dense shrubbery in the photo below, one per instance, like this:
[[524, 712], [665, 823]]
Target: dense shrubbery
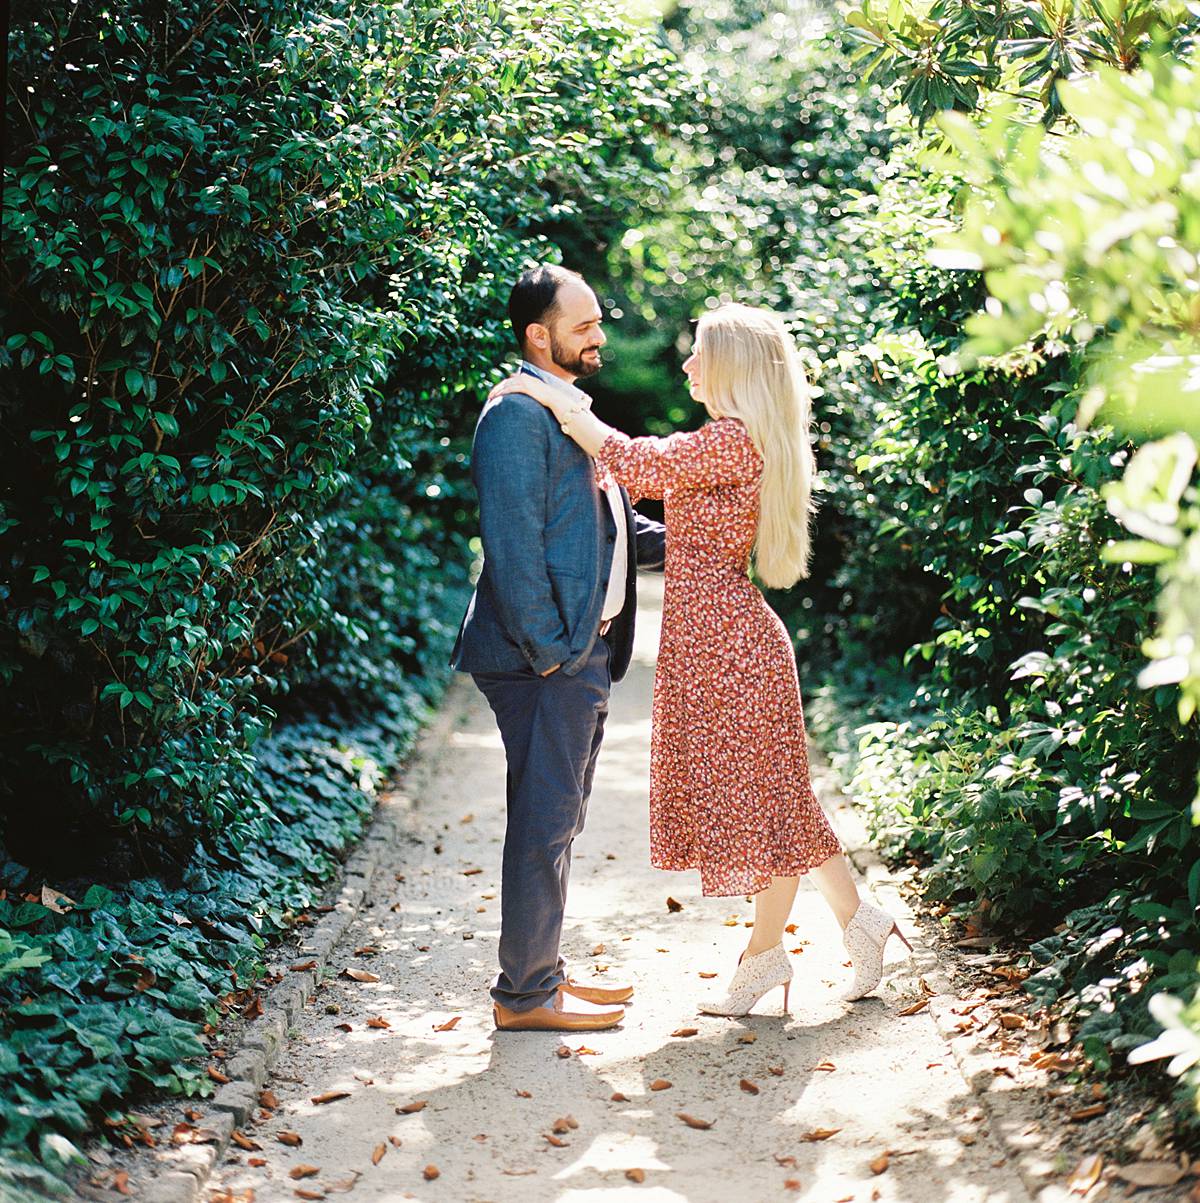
[[256, 259]]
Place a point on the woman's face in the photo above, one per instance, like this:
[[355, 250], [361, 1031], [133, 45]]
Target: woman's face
[[691, 368]]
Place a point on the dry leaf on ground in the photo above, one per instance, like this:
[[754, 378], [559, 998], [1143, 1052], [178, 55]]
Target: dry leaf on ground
[[880, 1164], [584, 1051], [636, 1175], [686, 1032], [913, 1008], [305, 1192], [826, 1067], [217, 1075], [618, 1097], [360, 975], [693, 1122], [291, 1139], [302, 966], [1084, 1113], [345, 1184], [748, 1086], [412, 1108], [330, 1096], [673, 905], [524, 1094], [430, 1172], [449, 1025], [268, 1099], [379, 1152], [304, 1171], [747, 1038], [243, 1141], [820, 1134], [707, 976], [1086, 1174], [556, 1141], [660, 1084]]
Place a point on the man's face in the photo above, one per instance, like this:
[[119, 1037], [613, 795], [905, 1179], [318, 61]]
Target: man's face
[[574, 333]]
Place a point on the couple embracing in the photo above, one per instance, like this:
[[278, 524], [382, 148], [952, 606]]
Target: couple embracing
[[550, 627]]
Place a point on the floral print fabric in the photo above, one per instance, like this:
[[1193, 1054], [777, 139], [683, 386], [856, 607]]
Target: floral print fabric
[[730, 793]]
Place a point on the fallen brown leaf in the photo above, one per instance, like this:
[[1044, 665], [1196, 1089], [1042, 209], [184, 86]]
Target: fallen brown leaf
[[636, 1175], [913, 1008], [791, 1184], [243, 1141], [268, 1099], [379, 1152], [562, 1051], [747, 1038], [775, 1070], [1011, 1020], [306, 1192], [360, 975], [54, 900], [674, 906], [707, 975], [472, 872], [330, 1096], [686, 1032], [556, 1141], [826, 1067], [304, 1171], [302, 966], [217, 1075], [748, 1086], [344, 1184], [880, 1164], [121, 1177], [584, 1051], [449, 1025], [787, 1162], [430, 1172], [660, 1084], [693, 1122], [524, 1094], [378, 1021], [820, 1134], [292, 1139], [617, 1097], [1085, 1113], [257, 1162], [598, 951], [394, 1141], [1086, 1174], [412, 1108], [560, 1126], [186, 1134]]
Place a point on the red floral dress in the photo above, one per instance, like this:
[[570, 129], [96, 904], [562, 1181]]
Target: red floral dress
[[730, 793]]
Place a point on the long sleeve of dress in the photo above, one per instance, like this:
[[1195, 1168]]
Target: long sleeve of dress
[[717, 454]]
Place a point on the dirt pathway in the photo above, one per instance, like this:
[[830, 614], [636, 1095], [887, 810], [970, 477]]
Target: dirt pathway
[[484, 1105]]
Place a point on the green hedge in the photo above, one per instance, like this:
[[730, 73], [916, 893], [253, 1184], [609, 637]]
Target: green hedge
[[257, 264]]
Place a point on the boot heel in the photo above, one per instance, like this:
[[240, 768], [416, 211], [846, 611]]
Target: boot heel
[[786, 987], [903, 937]]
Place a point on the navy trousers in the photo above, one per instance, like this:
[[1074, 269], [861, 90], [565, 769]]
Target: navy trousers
[[552, 728]]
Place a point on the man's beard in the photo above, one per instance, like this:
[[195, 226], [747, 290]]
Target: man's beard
[[577, 366]]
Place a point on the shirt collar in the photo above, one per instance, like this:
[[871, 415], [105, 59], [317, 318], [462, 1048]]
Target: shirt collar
[[576, 394]]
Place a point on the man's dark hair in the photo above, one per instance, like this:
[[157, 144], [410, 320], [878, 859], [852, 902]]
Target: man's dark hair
[[535, 296]]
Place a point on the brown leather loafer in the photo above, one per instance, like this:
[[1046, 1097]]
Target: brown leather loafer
[[564, 1014], [603, 994]]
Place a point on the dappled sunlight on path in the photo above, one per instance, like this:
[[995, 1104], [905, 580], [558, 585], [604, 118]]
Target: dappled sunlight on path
[[484, 1106]]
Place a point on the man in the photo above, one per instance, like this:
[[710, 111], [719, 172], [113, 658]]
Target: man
[[549, 628]]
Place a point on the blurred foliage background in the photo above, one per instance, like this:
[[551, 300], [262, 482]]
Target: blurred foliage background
[[255, 272]]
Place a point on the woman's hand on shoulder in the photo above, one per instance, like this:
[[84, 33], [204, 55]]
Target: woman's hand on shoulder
[[530, 385]]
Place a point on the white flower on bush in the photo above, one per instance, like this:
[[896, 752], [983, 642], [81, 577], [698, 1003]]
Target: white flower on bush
[[1178, 1041]]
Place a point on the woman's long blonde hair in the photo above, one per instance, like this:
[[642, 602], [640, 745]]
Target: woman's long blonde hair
[[750, 370]]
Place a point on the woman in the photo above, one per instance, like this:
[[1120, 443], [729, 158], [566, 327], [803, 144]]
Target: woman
[[729, 783]]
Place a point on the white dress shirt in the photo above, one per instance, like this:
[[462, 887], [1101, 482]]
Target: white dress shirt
[[614, 597]]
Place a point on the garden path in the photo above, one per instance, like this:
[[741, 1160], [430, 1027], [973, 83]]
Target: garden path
[[491, 1100]]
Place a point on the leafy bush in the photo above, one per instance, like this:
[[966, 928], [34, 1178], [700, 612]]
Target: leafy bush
[[259, 259]]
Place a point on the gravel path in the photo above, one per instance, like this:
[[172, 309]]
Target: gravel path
[[483, 1107]]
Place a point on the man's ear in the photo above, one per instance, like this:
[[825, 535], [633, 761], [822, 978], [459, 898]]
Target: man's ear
[[537, 335]]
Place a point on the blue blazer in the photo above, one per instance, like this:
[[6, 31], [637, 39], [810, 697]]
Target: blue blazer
[[548, 536]]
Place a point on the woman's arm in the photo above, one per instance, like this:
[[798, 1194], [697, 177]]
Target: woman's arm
[[575, 419]]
